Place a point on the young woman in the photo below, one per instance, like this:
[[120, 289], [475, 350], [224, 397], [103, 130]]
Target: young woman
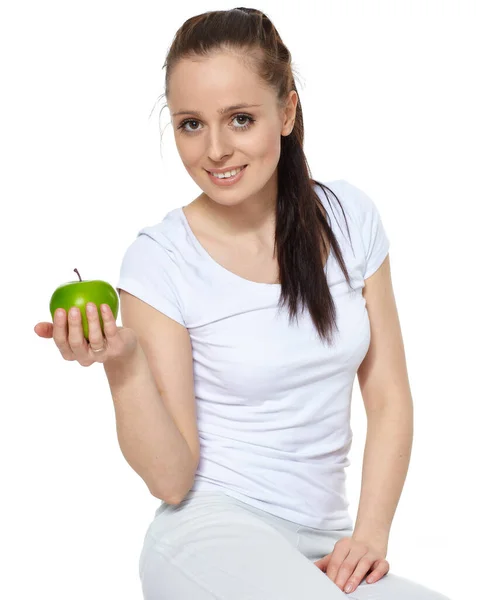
[[247, 315]]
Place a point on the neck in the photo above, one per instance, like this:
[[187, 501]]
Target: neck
[[253, 217]]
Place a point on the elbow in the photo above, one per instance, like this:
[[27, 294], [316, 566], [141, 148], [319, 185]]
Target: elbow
[[178, 499], [182, 493], [175, 496], [159, 495], [179, 489]]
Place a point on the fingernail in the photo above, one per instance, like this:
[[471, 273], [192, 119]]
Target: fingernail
[[90, 308], [348, 588]]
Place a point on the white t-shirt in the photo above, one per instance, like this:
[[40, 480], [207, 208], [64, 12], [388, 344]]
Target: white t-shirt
[[273, 401]]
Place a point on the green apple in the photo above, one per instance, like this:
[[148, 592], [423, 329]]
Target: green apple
[[78, 293]]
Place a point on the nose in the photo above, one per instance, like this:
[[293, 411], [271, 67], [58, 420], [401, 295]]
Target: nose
[[218, 146]]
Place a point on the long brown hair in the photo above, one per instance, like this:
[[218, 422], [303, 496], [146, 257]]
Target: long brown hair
[[300, 223]]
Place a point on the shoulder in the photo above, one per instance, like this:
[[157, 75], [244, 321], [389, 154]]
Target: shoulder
[[166, 231], [151, 270], [158, 239], [156, 255], [354, 197], [355, 202]]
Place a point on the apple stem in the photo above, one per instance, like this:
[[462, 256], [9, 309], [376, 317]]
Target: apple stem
[[75, 271]]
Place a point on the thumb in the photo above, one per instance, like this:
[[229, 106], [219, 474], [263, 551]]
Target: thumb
[[323, 562], [44, 330]]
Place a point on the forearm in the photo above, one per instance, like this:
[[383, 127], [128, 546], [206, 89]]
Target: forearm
[[148, 437], [386, 460]]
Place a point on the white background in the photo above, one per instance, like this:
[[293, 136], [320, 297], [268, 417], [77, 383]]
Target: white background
[[391, 103]]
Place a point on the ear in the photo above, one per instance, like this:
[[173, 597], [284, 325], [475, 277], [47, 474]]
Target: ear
[[290, 113]]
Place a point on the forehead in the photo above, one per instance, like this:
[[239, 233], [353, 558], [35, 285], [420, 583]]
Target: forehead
[[214, 82]]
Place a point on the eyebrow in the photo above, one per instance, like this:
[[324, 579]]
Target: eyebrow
[[221, 111]]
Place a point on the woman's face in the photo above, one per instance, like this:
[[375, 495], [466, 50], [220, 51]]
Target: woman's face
[[207, 139]]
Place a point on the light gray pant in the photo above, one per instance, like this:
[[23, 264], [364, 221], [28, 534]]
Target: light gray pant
[[212, 546]]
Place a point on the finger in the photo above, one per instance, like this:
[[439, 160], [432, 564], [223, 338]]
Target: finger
[[96, 338], [44, 330], [351, 562], [59, 332], [338, 556], [110, 326], [381, 568], [358, 574], [76, 337], [346, 570], [323, 562]]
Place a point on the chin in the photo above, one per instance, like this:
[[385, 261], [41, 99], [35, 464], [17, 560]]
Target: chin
[[223, 201]]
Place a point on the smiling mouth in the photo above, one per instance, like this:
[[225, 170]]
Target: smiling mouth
[[237, 169]]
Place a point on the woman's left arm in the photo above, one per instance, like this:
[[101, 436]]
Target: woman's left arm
[[387, 454], [384, 384]]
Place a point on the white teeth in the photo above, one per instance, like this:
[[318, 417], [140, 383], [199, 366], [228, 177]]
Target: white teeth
[[227, 174]]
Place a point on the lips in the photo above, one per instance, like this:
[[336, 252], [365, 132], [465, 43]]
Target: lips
[[227, 181], [220, 171]]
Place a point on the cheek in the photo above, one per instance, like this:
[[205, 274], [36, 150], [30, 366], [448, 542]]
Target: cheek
[[189, 152], [269, 147]]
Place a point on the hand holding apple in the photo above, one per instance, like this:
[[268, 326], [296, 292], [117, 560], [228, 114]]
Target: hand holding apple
[[78, 293], [69, 332]]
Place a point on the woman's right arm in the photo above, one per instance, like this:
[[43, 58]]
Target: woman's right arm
[[154, 400]]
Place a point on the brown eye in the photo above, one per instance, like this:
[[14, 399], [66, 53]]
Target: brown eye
[[243, 127], [187, 122], [247, 124]]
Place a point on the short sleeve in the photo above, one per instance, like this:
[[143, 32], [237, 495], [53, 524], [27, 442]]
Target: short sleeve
[[149, 272], [374, 237]]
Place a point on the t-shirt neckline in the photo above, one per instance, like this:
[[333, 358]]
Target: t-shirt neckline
[[218, 266]]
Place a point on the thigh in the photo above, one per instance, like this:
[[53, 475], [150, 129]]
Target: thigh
[[393, 587], [209, 548]]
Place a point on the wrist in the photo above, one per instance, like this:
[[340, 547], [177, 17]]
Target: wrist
[[126, 366], [375, 539]]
